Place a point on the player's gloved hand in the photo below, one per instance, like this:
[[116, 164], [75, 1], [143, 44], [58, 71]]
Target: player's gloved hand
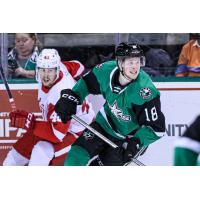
[[66, 105], [110, 156], [131, 148], [22, 119]]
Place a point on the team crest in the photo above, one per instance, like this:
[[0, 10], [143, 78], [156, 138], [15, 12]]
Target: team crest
[[145, 93], [88, 135]]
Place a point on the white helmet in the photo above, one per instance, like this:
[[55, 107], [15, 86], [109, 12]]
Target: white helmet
[[48, 58]]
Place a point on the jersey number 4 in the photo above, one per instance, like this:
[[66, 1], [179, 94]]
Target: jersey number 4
[[54, 117], [152, 115]]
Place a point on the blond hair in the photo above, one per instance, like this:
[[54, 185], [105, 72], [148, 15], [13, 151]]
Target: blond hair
[[37, 41]]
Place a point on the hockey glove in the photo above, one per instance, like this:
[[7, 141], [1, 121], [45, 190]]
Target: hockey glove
[[131, 149], [66, 105], [111, 156], [22, 119]]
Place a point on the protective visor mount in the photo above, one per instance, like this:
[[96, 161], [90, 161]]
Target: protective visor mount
[[142, 59]]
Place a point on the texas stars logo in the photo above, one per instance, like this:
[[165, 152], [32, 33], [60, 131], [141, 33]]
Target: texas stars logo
[[145, 93], [99, 66], [118, 113]]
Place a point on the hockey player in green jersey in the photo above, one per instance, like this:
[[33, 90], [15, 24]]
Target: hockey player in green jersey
[[187, 147], [130, 117]]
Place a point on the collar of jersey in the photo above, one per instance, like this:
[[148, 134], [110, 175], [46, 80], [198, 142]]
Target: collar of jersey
[[196, 44], [118, 89]]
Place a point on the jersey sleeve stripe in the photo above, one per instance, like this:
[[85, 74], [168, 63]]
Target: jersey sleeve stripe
[[80, 70], [92, 83], [188, 143], [62, 151], [58, 134]]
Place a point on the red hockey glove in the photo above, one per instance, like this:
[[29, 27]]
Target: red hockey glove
[[22, 119]]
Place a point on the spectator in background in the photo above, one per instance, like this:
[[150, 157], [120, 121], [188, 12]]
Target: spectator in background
[[189, 59], [158, 62], [22, 58]]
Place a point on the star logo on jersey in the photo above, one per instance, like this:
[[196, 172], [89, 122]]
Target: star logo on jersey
[[145, 93], [88, 135], [118, 112], [99, 66]]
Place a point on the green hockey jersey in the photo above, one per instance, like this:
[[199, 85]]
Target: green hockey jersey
[[133, 109]]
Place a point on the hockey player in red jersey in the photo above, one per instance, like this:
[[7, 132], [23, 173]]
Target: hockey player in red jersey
[[46, 142]]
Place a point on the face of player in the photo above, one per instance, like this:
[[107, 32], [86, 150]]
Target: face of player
[[131, 67], [24, 44], [47, 76]]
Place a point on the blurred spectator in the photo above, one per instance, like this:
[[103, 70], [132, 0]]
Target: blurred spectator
[[92, 58], [22, 58], [105, 58], [189, 59], [158, 62]]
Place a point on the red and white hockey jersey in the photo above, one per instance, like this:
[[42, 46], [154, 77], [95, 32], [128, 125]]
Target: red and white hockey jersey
[[52, 129]]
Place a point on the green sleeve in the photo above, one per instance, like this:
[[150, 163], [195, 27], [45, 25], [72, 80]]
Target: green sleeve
[[81, 89], [146, 135], [88, 84], [185, 157]]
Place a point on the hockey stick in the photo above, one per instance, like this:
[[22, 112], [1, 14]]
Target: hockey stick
[[94, 131], [137, 162], [10, 97]]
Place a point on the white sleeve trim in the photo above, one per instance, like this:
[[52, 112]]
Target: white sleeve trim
[[58, 134], [62, 151], [159, 134], [188, 143], [80, 69]]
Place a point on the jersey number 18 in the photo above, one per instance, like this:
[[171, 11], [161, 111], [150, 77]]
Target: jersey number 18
[[152, 114]]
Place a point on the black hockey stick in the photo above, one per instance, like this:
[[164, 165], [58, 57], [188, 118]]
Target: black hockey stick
[[134, 160], [10, 97]]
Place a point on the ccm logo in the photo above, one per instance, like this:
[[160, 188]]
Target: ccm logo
[[70, 97], [28, 120]]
